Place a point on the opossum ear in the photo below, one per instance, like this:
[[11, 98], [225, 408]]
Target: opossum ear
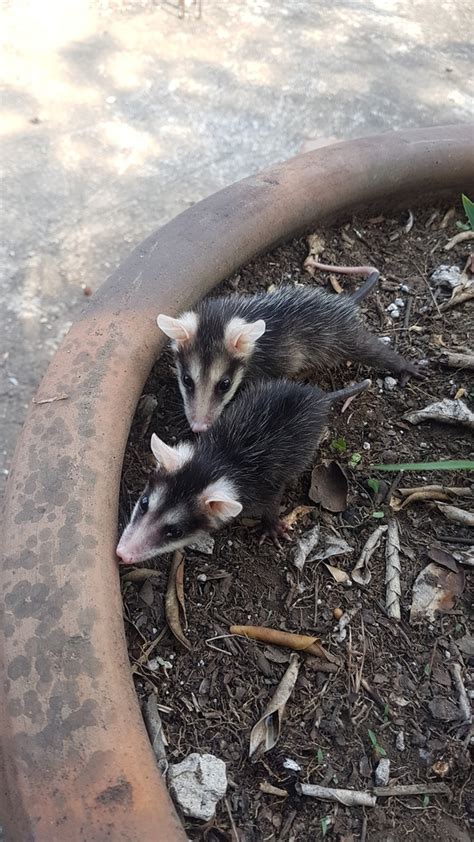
[[181, 330], [241, 336], [170, 458], [219, 500]]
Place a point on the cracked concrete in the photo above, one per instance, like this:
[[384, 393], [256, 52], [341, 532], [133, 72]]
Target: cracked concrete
[[119, 115]]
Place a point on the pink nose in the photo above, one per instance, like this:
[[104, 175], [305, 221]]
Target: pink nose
[[199, 426], [125, 558]]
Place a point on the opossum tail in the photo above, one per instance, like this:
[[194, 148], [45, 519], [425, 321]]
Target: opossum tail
[[349, 391]]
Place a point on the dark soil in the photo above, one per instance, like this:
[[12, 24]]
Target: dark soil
[[211, 697]]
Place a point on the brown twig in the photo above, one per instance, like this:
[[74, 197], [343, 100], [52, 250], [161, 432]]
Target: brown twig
[[411, 789]]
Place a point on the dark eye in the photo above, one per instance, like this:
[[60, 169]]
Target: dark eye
[[188, 382], [224, 384], [144, 503], [173, 531]]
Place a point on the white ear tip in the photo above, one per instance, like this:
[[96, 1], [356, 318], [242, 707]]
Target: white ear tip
[[260, 328], [236, 508]]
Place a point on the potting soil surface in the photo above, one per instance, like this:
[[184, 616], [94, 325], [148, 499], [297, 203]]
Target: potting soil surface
[[393, 695]]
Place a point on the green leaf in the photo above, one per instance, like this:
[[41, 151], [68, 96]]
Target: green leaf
[[320, 755], [446, 465], [374, 485], [425, 800], [339, 445], [468, 210], [463, 226], [324, 825], [386, 711], [378, 515], [372, 738], [427, 669], [354, 460], [380, 751]]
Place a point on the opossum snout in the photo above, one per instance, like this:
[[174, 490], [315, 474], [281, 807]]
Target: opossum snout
[[126, 557], [200, 426]]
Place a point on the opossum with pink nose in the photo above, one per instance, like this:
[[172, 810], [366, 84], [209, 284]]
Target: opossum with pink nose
[[266, 438], [290, 332]]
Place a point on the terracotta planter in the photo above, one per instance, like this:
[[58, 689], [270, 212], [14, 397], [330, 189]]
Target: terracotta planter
[[76, 760]]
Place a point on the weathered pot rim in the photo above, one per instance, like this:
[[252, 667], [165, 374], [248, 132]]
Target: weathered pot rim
[[76, 759]]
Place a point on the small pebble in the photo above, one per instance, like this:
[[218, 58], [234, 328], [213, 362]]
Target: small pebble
[[385, 339], [337, 612], [390, 383], [393, 311], [404, 288], [399, 302], [292, 765], [366, 445], [400, 741], [382, 772]]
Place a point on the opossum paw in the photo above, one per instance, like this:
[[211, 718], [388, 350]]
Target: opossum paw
[[274, 531], [411, 371]]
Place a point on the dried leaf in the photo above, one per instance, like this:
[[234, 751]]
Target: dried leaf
[[269, 789], [446, 411], [294, 516], [435, 589], [145, 409], [339, 576], [334, 545], [335, 284], [361, 573], [154, 727], [443, 557], [456, 514], [266, 731], [316, 246], [444, 709], [140, 574], [392, 570], [305, 544], [329, 486], [466, 645], [461, 293], [175, 598], [146, 592], [459, 238]]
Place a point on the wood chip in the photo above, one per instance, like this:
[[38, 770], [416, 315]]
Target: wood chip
[[348, 797], [411, 789]]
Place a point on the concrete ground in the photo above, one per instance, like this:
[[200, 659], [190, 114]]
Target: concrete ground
[[119, 115]]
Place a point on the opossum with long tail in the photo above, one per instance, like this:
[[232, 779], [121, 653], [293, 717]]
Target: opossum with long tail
[[266, 438], [286, 333]]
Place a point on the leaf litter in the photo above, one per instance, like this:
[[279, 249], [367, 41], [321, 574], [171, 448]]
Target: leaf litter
[[211, 698]]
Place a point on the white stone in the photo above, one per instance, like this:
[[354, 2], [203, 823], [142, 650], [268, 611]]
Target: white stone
[[204, 544], [385, 339], [393, 311], [399, 302], [400, 741], [382, 772], [197, 784], [389, 383], [292, 765], [444, 275]]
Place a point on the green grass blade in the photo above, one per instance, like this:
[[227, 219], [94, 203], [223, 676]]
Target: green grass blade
[[447, 465], [469, 210]]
